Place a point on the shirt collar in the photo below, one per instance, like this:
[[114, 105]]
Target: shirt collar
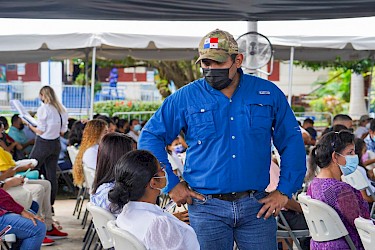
[[143, 206]]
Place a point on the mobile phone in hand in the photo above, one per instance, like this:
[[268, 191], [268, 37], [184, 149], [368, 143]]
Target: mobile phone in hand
[[5, 230], [27, 171]]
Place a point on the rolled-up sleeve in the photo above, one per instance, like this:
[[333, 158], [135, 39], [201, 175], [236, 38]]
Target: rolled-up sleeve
[[163, 127], [288, 140]]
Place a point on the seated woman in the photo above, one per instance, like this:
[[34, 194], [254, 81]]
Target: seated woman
[[75, 134], [111, 148], [139, 180], [88, 151], [368, 174], [335, 155], [28, 228], [40, 191]]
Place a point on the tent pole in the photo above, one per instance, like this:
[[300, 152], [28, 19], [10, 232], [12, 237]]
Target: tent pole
[[370, 88], [92, 82], [87, 81], [290, 76], [252, 26]]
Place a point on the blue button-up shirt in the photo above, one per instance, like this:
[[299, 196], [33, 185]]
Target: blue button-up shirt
[[370, 143], [229, 139]]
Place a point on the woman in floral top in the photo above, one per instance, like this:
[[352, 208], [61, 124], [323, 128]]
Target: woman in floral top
[[333, 155]]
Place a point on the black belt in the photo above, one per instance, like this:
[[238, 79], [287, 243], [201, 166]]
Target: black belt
[[232, 196]]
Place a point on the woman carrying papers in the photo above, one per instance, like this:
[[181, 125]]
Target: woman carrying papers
[[52, 120]]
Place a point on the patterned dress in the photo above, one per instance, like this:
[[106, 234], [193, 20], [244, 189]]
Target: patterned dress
[[347, 202], [100, 198]]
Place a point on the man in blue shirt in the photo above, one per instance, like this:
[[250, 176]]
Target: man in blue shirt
[[370, 138], [229, 119], [17, 133]]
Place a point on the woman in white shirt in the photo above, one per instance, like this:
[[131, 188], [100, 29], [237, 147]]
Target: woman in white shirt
[[138, 182], [52, 121], [88, 151]]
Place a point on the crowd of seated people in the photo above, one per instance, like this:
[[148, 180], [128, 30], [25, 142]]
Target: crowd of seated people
[[103, 142], [22, 183]]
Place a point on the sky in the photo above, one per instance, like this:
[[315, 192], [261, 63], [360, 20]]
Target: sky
[[336, 27]]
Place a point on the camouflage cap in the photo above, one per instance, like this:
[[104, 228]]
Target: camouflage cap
[[217, 45]]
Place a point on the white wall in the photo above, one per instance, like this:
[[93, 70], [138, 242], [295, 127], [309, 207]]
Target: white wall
[[51, 74], [302, 79]]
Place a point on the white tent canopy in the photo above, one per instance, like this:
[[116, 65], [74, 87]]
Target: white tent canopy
[[32, 48]]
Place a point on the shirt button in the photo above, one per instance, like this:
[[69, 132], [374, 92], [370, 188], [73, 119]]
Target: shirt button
[[233, 156], [199, 142], [232, 118], [233, 137], [202, 110], [230, 100]]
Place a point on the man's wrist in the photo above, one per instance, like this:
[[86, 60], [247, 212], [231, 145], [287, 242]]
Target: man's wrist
[[283, 194]]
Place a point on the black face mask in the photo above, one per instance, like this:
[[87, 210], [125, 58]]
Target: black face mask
[[217, 78]]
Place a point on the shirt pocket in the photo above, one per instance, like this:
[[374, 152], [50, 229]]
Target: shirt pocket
[[259, 115], [201, 122]]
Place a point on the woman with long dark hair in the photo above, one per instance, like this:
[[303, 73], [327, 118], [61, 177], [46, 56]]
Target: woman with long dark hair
[[334, 154], [139, 179], [111, 148]]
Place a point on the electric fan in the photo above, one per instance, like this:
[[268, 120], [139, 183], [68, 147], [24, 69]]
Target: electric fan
[[257, 51]]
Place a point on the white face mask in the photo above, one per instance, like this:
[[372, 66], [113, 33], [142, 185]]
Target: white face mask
[[350, 165]]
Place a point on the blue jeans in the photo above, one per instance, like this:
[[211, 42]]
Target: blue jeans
[[219, 223], [29, 237]]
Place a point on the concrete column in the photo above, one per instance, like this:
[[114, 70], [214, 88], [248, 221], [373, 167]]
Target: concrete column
[[357, 105]]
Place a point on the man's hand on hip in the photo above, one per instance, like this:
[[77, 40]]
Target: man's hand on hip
[[272, 204], [182, 194]]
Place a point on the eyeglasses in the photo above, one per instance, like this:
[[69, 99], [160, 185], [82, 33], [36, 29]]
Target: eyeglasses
[[162, 169]]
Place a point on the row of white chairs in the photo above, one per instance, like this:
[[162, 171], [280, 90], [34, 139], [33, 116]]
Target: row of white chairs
[[109, 233], [325, 224]]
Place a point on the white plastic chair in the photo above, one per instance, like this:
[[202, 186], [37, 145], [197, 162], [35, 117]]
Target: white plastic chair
[[366, 230], [100, 217], [89, 175], [122, 239], [7, 240], [323, 221], [359, 182], [72, 152]]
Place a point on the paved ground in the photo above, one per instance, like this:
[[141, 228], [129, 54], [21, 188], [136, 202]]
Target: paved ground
[[70, 224]]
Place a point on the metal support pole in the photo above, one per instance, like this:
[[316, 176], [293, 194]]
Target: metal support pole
[[290, 94], [92, 82], [87, 94], [252, 26]]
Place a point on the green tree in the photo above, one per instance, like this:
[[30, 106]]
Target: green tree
[[180, 72], [334, 95]]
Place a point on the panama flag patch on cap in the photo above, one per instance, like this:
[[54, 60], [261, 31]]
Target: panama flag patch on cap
[[211, 43]]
